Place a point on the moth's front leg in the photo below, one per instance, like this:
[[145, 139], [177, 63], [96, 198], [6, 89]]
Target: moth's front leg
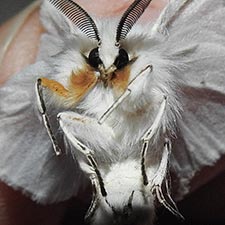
[[78, 86], [88, 137], [54, 87], [125, 94]]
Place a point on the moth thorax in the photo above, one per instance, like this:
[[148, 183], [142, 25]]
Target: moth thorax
[[135, 208], [128, 201]]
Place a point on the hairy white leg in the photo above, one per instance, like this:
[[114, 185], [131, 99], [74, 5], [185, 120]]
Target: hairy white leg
[[159, 178], [42, 110], [87, 130], [148, 135], [68, 122], [161, 172], [169, 198], [67, 131], [157, 122], [128, 91], [108, 112]]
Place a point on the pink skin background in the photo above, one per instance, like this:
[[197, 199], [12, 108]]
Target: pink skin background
[[207, 195]]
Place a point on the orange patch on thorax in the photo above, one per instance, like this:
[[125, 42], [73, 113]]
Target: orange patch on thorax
[[81, 82], [120, 80], [55, 87]]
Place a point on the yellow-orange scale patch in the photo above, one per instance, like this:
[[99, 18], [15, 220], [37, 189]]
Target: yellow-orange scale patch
[[55, 87], [120, 80], [81, 82]]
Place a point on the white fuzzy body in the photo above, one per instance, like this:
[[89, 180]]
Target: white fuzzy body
[[120, 181], [117, 144], [185, 48]]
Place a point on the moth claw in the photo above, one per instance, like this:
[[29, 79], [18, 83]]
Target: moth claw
[[168, 203]]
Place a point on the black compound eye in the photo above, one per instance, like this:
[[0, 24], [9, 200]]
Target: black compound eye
[[94, 59], [122, 59]]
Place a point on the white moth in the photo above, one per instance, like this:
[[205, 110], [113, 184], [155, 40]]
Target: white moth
[[110, 94], [123, 107]]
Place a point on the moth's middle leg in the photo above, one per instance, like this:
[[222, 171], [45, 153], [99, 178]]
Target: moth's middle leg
[[88, 131], [149, 135], [78, 128]]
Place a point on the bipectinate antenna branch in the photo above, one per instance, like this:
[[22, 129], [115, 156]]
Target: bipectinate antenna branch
[[130, 17], [78, 16]]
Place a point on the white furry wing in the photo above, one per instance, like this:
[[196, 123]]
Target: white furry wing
[[27, 160], [194, 34]]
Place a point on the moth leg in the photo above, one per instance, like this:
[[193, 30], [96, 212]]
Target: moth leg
[[147, 137], [88, 130], [169, 198], [54, 86], [173, 209], [126, 93], [156, 124], [42, 110], [159, 178], [86, 151], [161, 172], [107, 113], [79, 84]]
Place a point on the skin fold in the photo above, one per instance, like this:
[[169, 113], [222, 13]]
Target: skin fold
[[16, 208]]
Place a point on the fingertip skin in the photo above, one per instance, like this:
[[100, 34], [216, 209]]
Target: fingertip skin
[[19, 41]]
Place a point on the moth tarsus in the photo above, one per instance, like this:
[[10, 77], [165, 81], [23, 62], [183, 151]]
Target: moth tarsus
[[160, 178], [161, 172], [142, 72], [94, 201], [171, 201], [162, 200]]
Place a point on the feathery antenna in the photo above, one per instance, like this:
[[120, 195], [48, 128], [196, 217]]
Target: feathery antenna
[[130, 17], [78, 16]]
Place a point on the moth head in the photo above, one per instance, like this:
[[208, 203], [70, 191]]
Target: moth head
[[105, 58], [107, 64]]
